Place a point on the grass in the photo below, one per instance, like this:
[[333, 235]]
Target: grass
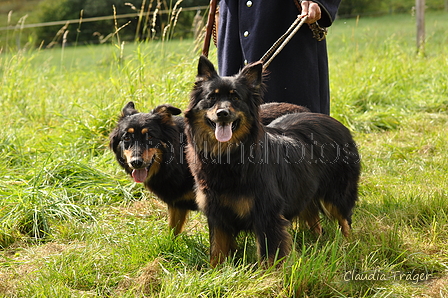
[[73, 225]]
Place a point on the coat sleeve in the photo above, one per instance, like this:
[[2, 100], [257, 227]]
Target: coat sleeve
[[329, 10]]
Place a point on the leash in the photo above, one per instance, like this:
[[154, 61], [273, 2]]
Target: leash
[[209, 27], [282, 41]]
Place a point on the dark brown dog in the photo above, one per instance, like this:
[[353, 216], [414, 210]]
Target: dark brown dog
[[272, 110]]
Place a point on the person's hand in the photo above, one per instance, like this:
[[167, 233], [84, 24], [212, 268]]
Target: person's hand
[[312, 10]]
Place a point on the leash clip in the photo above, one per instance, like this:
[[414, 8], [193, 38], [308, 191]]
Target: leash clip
[[319, 33]]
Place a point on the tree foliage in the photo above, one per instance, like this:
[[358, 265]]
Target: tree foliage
[[130, 28]]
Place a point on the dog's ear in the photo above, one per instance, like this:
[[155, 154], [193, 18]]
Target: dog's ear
[[206, 70], [167, 109], [253, 74], [129, 109], [166, 112]]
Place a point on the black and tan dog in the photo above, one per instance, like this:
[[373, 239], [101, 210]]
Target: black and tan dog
[[258, 178], [150, 147]]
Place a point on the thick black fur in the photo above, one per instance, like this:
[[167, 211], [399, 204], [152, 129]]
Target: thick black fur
[[162, 145], [264, 176], [170, 178]]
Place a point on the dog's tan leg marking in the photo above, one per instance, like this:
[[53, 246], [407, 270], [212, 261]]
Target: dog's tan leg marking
[[176, 219], [311, 216], [275, 253], [333, 212], [221, 243]]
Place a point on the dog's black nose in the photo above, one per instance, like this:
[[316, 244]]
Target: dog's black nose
[[137, 163], [222, 113]]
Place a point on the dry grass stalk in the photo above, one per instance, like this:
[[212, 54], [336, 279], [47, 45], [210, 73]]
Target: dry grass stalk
[[58, 35], [169, 29], [154, 19]]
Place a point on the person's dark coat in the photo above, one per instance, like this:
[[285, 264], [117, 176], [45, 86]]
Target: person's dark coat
[[299, 74]]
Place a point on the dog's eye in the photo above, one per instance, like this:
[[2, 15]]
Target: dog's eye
[[126, 138], [236, 98], [148, 137]]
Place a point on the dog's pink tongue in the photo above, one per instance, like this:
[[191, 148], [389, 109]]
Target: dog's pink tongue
[[139, 175], [223, 131]]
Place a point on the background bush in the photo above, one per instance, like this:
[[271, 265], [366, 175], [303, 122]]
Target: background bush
[[95, 32]]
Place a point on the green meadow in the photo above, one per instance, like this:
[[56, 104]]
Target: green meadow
[[72, 224]]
